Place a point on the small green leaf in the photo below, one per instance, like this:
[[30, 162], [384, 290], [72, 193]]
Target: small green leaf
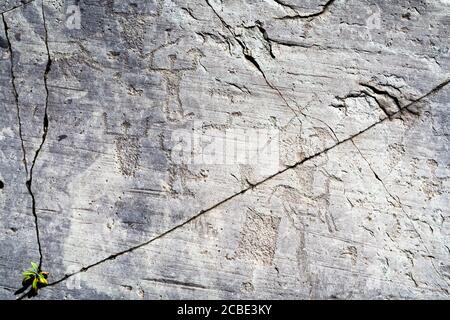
[[34, 284], [34, 277], [28, 273], [35, 266], [43, 281], [26, 280]]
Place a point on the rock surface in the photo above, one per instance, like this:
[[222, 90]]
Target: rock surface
[[351, 201]]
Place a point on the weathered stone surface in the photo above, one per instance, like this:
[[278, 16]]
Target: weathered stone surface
[[96, 94]]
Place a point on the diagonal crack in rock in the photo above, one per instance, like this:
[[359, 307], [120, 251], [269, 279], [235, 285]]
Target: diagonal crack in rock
[[253, 185]]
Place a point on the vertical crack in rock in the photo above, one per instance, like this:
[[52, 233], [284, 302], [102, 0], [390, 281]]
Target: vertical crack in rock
[[252, 60], [400, 205], [297, 15], [44, 135], [252, 186], [15, 93]]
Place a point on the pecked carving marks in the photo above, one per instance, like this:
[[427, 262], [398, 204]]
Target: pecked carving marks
[[128, 152], [258, 238]]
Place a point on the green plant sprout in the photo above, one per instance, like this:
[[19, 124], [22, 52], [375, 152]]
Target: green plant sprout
[[34, 277]]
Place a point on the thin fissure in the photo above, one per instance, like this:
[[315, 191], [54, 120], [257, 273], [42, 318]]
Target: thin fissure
[[253, 185]]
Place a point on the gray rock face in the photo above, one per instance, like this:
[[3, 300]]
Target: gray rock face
[[226, 149]]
